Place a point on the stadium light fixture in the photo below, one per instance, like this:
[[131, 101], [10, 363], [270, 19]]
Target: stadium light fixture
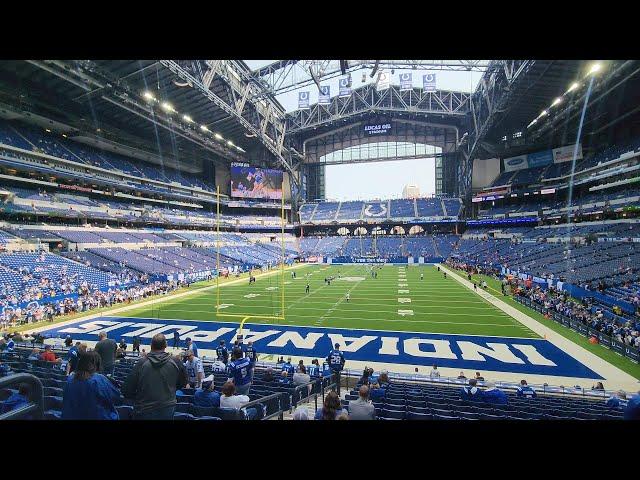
[[218, 136], [167, 107], [148, 96], [230, 143], [573, 86], [47, 130], [187, 118], [595, 68], [204, 128], [542, 113], [556, 101]]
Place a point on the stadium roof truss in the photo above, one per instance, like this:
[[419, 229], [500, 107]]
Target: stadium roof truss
[[261, 116], [367, 100], [287, 75], [97, 87]]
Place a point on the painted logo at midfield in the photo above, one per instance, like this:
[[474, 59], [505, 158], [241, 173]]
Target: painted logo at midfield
[[515, 355]]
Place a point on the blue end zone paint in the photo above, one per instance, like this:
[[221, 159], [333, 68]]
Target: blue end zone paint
[[464, 352]]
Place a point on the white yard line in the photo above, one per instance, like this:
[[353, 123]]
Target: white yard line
[[615, 377]]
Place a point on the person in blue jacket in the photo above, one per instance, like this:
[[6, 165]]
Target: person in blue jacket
[[632, 410], [89, 395], [494, 395], [17, 400], [207, 396]]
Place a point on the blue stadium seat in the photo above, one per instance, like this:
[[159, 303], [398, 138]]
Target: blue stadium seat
[[125, 412], [184, 407], [419, 416], [394, 414], [208, 418], [183, 416]]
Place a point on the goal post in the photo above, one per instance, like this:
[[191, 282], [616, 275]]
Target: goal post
[[243, 317]]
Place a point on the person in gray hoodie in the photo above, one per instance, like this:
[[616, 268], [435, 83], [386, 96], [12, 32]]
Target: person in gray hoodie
[[153, 381]]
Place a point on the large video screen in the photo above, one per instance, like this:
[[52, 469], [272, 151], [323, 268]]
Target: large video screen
[[251, 182]]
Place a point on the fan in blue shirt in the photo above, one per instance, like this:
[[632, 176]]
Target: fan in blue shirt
[[493, 395], [287, 367], [326, 370], [632, 410], [222, 353], [617, 401], [471, 391], [89, 395], [314, 369], [191, 346], [206, 396], [240, 369], [17, 400], [250, 353], [335, 359], [525, 390]]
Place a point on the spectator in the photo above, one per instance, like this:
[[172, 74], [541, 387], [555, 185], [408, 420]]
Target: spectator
[[122, 345], [301, 377], [34, 355], [461, 376], [336, 362], [222, 352], [72, 357], [153, 381], [618, 400], [598, 386], [268, 376], [434, 374], [301, 413], [18, 399], [207, 396], [284, 378], [525, 390], [68, 341], [471, 391], [176, 339], [494, 395], [229, 399], [190, 345], [479, 377], [362, 408], [251, 353], [241, 372], [288, 367], [632, 410], [314, 368], [364, 379], [343, 416], [48, 355], [89, 395], [195, 370], [106, 348], [136, 345], [331, 409]]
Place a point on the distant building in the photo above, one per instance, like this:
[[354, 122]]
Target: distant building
[[411, 191]]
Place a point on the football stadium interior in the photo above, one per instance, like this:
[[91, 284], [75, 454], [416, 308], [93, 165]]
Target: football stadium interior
[[172, 246]]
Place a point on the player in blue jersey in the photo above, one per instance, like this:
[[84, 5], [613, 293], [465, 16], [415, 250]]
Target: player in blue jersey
[[240, 372], [222, 353], [250, 353], [288, 367], [336, 361], [314, 369]]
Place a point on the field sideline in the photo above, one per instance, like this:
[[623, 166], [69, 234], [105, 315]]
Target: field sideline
[[397, 300]]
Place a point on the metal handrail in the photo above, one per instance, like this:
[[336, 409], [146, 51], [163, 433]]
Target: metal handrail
[[37, 396], [279, 412]]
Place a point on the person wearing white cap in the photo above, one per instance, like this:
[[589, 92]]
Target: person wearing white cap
[[206, 396]]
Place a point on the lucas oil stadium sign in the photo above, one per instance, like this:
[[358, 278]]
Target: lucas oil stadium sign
[[515, 355], [376, 129]]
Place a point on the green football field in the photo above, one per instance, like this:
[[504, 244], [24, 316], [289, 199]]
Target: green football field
[[397, 300]]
